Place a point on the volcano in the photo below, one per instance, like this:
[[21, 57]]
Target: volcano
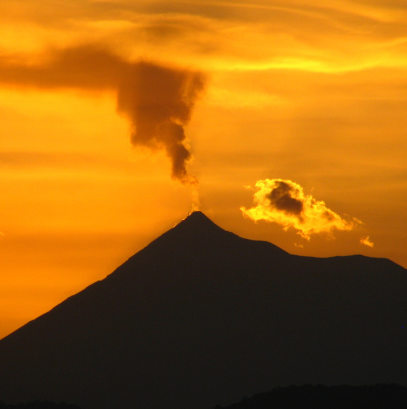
[[202, 317]]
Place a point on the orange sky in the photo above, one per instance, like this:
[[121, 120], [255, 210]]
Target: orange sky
[[311, 95]]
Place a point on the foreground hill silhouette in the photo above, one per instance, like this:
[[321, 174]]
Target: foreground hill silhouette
[[324, 397], [202, 317], [39, 405]]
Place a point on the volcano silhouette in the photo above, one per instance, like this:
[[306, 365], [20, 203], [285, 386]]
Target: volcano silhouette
[[202, 317]]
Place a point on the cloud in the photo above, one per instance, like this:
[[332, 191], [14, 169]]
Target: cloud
[[367, 242], [158, 100], [284, 202]]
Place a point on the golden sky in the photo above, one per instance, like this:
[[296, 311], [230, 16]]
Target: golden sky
[[118, 117]]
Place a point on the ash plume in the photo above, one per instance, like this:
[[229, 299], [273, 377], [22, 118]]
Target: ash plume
[[284, 202], [158, 100]]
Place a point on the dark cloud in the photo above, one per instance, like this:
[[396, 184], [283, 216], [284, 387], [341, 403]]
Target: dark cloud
[[158, 100], [282, 198]]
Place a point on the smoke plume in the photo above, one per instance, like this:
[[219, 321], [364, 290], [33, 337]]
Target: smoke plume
[[158, 100], [284, 202]]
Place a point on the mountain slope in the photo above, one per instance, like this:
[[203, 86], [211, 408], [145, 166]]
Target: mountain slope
[[203, 317]]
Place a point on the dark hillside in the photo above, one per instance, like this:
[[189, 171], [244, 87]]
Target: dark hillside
[[323, 397], [203, 317]]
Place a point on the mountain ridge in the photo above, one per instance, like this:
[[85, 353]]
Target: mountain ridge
[[201, 317]]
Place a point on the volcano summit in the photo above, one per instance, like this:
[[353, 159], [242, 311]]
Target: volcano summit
[[203, 317]]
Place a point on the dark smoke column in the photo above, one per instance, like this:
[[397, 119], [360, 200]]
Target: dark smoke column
[[159, 102]]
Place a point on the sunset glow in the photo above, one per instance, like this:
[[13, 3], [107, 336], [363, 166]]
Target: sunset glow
[[118, 117]]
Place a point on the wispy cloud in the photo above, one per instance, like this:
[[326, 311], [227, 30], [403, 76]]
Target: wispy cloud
[[366, 241]]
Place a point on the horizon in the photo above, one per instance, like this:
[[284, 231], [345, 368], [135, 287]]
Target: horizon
[[119, 117]]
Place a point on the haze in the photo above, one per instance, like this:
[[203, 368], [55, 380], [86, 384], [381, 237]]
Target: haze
[[288, 90]]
